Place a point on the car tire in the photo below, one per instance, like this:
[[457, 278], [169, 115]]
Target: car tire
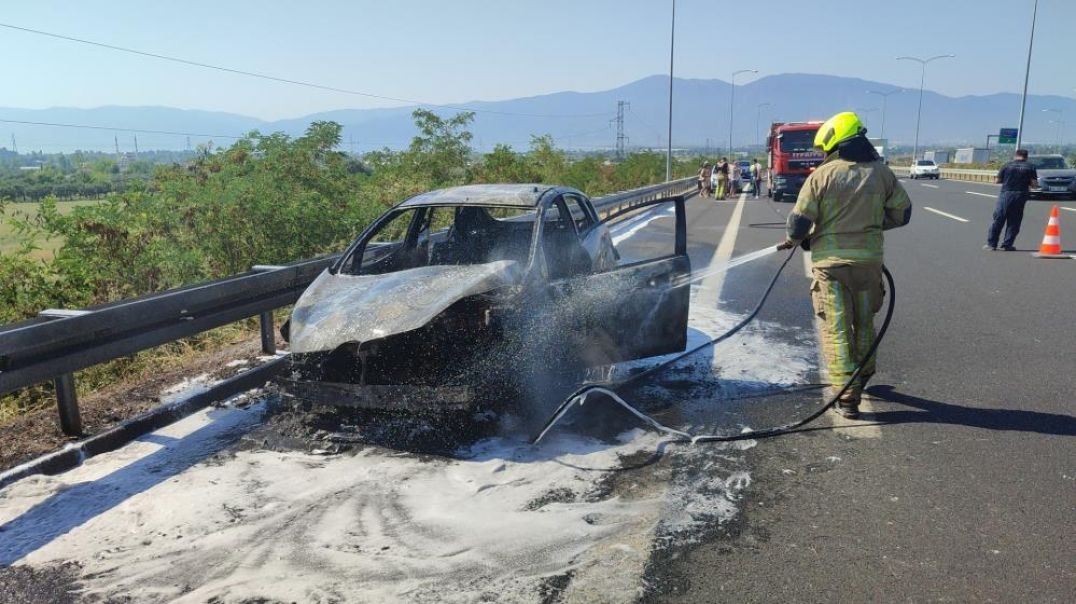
[[777, 196]]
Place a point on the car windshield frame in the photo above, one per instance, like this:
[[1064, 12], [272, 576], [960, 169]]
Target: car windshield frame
[[351, 261], [929, 163]]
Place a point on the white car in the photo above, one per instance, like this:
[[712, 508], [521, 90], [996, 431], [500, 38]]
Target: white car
[[924, 168]]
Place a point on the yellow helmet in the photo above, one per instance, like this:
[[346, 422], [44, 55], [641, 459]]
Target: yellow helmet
[[838, 128]]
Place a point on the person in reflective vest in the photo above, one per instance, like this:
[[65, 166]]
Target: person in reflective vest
[[840, 214]]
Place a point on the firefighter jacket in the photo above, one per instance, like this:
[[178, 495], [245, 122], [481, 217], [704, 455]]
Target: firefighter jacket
[[844, 206]]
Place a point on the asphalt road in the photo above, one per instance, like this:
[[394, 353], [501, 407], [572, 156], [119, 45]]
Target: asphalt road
[[960, 483]]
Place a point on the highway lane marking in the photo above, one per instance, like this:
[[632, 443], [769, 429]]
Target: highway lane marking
[[931, 186], [716, 280], [946, 214], [990, 195], [1069, 209]]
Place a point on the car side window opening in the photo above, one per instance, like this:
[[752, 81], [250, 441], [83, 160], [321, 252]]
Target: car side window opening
[[656, 241], [564, 253], [583, 220]]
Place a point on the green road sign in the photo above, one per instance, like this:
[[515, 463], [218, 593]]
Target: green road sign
[[1007, 136]]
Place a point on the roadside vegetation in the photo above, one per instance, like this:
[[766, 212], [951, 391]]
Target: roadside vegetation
[[266, 199]]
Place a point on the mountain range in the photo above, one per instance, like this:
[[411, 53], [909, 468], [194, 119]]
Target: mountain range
[[576, 120]]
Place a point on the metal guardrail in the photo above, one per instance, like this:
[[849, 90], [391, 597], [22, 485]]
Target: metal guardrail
[[956, 174], [59, 342]]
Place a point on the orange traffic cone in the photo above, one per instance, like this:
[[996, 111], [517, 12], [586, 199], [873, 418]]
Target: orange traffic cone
[[1051, 241]]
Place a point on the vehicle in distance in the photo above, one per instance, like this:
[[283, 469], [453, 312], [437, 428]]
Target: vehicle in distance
[[1056, 177], [924, 168], [744, 183], [459, 297], [792, 157]]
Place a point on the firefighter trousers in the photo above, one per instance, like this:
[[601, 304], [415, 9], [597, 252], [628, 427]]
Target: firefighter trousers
[[845, 299]]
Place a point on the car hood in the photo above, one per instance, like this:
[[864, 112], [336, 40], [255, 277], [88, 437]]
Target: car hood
[[337, 309]]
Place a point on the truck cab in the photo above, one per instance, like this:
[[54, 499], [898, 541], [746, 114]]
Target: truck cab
[[792, 157]]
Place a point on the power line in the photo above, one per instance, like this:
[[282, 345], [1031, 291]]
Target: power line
[[116, 129], [273, 78]]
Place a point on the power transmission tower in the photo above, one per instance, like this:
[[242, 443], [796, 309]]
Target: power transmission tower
[[117, 140], [621, 140], [136, 146], [14, 147]]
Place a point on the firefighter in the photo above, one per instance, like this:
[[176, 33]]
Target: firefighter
[[840, 214]]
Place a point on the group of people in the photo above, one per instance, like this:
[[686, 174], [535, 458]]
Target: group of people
[[722, 179]]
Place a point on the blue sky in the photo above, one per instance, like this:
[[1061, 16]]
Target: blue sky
[[459, 50]]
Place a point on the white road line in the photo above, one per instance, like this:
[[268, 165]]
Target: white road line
[[724, 251], [926, 185], [946, 214], [981, 194], [1069, 209]]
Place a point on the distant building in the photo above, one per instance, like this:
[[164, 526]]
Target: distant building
[[972, 156], [938, 157]]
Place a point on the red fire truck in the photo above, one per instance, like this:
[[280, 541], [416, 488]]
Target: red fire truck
[[792, 157]]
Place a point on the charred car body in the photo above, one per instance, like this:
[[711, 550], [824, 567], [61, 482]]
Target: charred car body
[[455, 294]]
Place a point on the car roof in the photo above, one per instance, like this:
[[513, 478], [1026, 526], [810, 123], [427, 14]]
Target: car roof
[[515, 195]]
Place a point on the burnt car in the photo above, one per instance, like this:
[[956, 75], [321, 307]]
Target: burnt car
[[456, 296]]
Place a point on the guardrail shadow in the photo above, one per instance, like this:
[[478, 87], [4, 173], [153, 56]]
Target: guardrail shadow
[[937, 412], [72, 506]]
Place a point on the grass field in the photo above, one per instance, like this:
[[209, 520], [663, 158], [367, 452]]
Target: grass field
[[8, 238]]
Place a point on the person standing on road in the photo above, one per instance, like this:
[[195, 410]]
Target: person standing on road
[[704, 179], [734, 178], [721, 178], [841, 211], [756, 177], [1015, 178]]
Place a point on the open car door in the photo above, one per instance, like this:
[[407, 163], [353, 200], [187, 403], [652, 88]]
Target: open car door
[[638, 308]]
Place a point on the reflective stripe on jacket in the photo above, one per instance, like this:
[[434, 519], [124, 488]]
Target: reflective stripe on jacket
[[849, 204]]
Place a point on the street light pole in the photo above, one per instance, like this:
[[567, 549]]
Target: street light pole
[[1027, 73], [672, 49], [885, 97], [758, 118], [922, 81], [732, 102]]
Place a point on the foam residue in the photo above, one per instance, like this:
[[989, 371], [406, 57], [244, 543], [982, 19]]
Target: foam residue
[[187, 387], [377, 526]]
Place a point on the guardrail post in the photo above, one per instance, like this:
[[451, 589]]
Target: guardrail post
[[268, 337], [266, 318], [67, 404]]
